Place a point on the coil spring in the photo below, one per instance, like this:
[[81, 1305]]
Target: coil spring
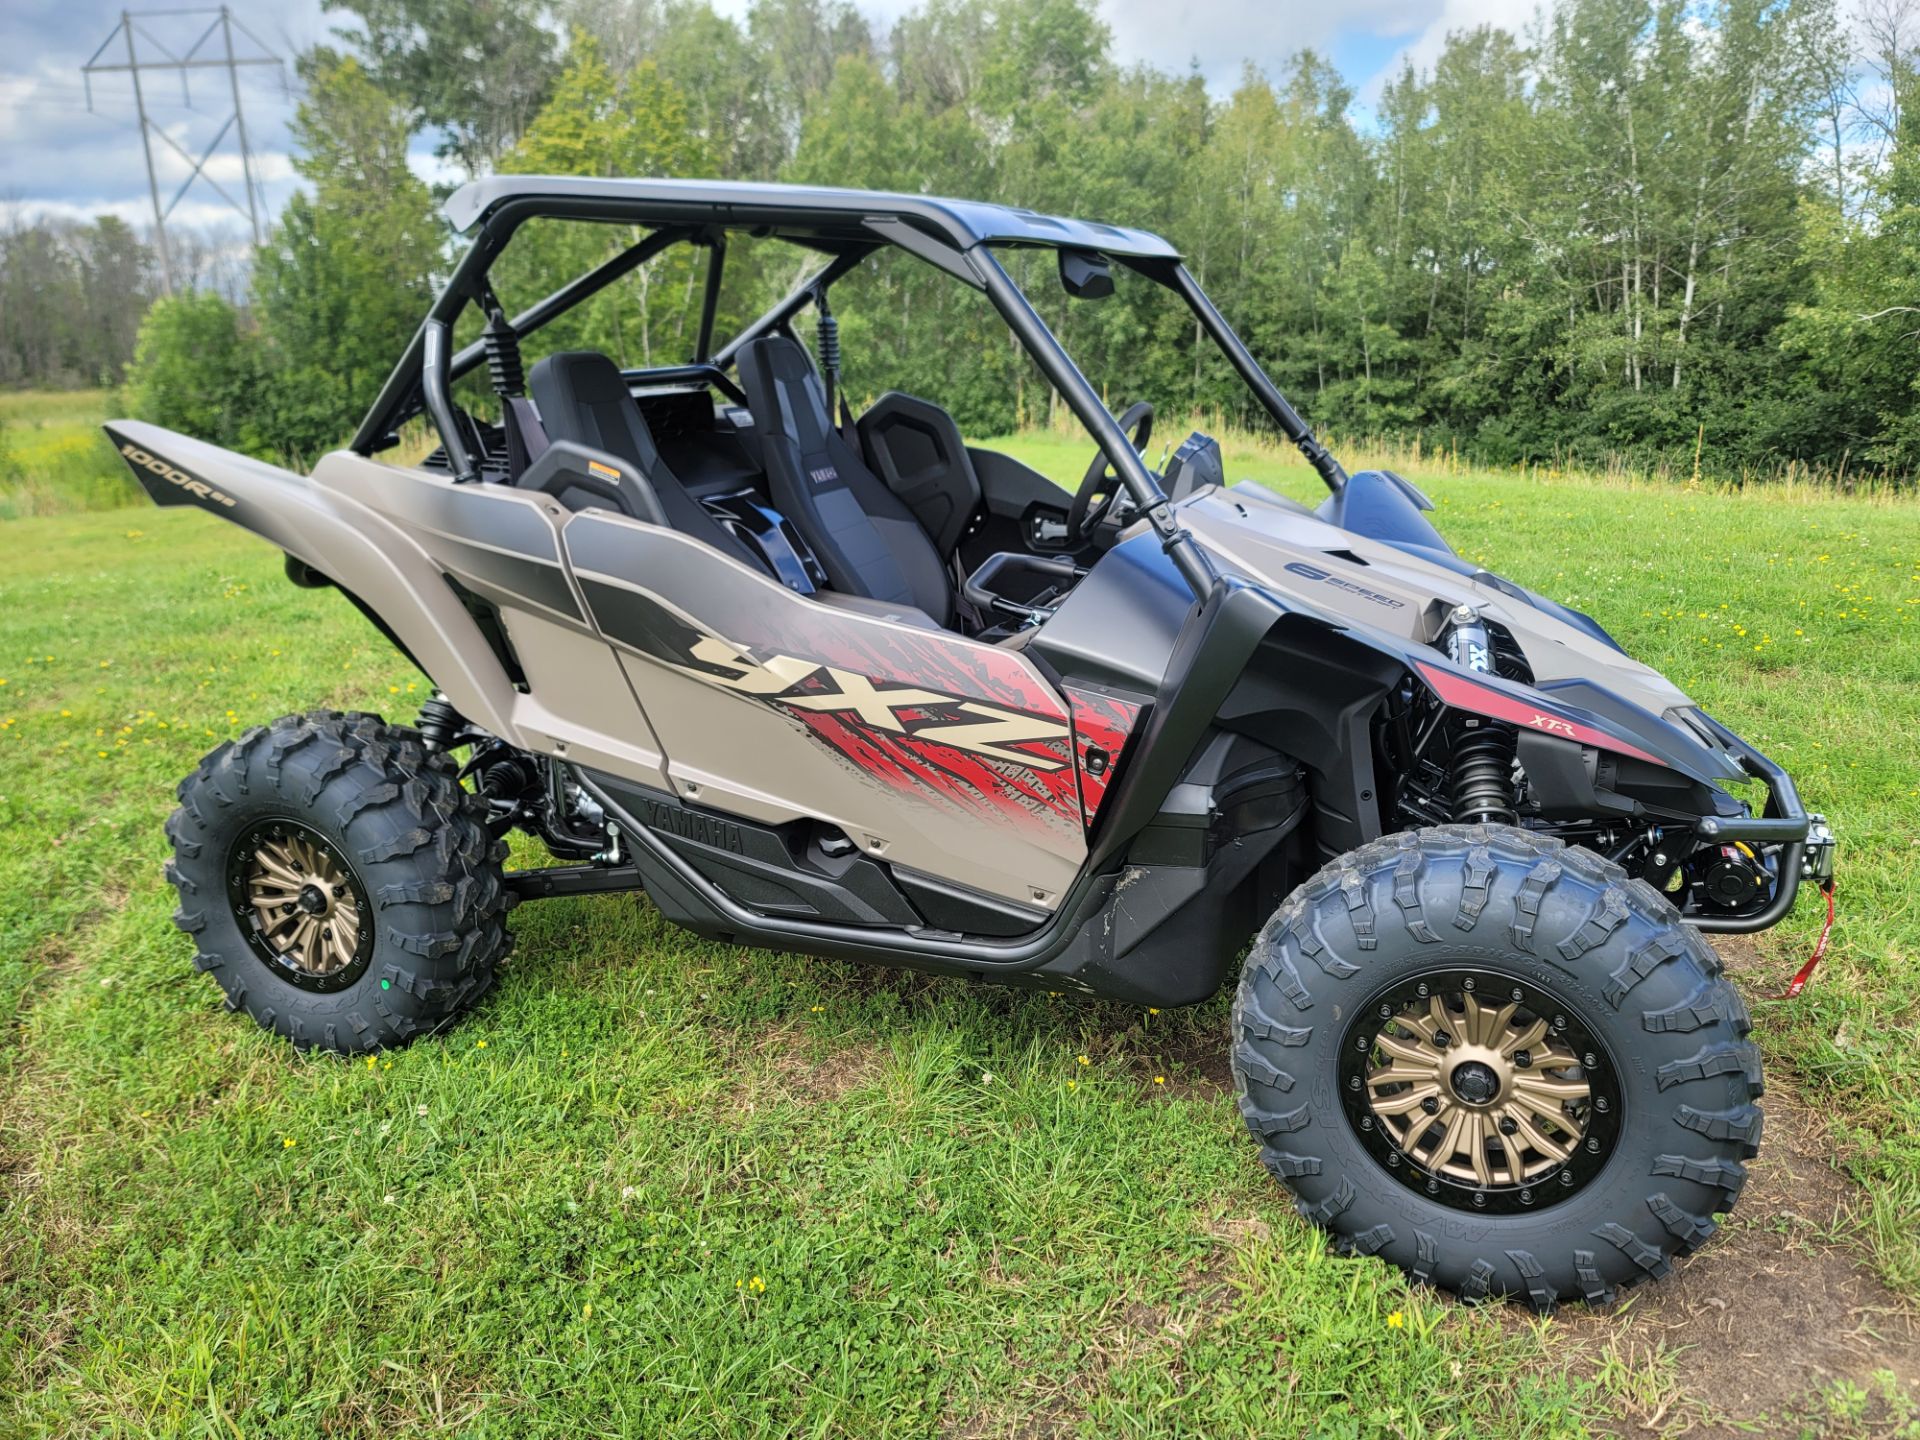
[[1482, 776], [504, 369], [827, 342]]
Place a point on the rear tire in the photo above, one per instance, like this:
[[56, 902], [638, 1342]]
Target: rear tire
[[364, 829], [1651, 1153]]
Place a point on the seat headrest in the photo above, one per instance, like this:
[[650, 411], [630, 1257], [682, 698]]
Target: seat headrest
[[582, 397], [576, 377], [778, 377]]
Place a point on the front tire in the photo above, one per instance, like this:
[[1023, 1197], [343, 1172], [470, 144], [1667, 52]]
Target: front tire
[[1498, 1063], [339, 884]]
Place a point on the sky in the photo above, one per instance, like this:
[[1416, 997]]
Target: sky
[[58, 157]]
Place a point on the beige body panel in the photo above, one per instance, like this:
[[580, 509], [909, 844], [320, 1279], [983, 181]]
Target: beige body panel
[[577, 704], [394, 536], [359, 549], [730, 749]]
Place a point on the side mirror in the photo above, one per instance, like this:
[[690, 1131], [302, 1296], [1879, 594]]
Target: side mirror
[[1085, 274]]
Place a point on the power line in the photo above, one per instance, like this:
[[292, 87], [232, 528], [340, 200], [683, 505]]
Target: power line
[[133, 29]]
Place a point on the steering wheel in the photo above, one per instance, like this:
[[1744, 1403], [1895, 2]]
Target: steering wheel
[[1084, 515]]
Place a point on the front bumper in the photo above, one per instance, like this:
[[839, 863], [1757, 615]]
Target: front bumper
[[1802, 842]]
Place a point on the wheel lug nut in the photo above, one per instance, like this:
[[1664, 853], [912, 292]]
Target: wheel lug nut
[[1480, 1200], [1353, 1082], [1442, 1039], [1393, 1159], [1516, 995], [1508, 1125], [1366, 1122], [1466, 984], [1601, 1104], [1526, 1197], [1433, 1187], [1386, 1012], [1593, 1146], [1523, 1058], [1421, 990], [1566, 1177], [1559, 1022], [1430, 1105]]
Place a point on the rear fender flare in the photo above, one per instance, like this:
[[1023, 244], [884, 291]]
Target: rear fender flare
[[382, 570]]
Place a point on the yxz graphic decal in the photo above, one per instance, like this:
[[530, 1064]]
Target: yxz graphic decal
[[932, 718]]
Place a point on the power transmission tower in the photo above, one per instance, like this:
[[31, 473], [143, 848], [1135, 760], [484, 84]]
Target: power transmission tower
[[131, 31]]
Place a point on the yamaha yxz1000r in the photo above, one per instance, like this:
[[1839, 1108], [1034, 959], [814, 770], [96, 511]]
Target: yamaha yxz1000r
[[855, 688]]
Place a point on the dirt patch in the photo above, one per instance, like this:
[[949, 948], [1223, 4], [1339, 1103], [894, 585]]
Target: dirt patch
[[1046, 1409], [797, 1070], [1774, 1309], [1190, 1055]]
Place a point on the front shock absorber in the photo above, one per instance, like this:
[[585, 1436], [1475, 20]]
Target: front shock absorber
[[1480, 774]]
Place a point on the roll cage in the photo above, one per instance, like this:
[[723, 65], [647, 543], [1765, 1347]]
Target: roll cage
[[846, 226]]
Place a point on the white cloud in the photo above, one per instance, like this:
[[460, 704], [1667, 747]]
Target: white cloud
[[209, 216], [1224, 36], [1513, 16], [435, 169]]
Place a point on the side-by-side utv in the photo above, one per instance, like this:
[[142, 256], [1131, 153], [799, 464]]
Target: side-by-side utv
[[853, 687]]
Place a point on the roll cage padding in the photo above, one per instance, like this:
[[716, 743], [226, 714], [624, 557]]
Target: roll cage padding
[[865, 536], [583, 398]]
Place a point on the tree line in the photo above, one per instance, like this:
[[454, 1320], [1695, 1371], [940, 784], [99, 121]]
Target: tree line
[[1646, 228]]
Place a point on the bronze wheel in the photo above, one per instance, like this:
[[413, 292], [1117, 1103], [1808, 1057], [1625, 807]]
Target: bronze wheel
[[300, 905], [1482, 1091], [1483, 1095]]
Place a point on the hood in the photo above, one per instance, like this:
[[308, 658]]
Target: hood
[[1386, 574]]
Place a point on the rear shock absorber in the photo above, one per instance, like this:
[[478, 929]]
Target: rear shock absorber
[[502, 348], [1481, 770], [826, 337]]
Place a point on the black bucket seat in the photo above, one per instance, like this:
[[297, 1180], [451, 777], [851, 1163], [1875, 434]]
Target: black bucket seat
[[582, 397], [866, 538]]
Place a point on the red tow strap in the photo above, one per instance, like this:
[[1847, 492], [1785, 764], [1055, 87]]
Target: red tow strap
[[1799, 981]]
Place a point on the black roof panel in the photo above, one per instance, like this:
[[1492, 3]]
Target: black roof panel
[[792, 209]]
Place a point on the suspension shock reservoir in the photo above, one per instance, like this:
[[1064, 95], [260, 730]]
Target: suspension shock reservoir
[[1480, 769]]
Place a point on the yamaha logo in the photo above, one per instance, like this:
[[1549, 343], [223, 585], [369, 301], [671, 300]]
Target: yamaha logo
[[154, 464]]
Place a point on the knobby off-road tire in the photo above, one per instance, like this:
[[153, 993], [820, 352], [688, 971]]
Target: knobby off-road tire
[[399, 861], [1627, 985]]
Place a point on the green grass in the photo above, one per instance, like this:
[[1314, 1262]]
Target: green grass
[[54, 460], [549, 1221]]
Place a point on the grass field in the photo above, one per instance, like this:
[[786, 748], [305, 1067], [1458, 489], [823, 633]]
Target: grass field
[[53, 458], [657, 1186]]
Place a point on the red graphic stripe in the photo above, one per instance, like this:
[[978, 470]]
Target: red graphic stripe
[[1044, 801], [1464, 694], [1100, 722]]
